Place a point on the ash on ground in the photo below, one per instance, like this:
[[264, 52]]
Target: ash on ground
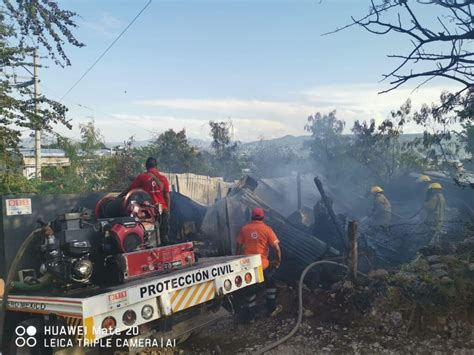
[[426, 306]]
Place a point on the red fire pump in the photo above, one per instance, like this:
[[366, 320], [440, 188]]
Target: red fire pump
[[133, 220], [131, 226]]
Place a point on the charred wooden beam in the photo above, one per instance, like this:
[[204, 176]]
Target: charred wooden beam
[[319, 185]]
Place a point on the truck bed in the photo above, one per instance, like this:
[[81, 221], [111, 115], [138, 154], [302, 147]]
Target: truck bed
[[165, 294], [91, 291]]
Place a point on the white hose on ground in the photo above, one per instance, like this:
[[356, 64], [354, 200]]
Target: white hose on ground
[[300, 305]]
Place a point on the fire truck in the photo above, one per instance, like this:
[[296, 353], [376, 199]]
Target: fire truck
[[98, 281], [153, 312]]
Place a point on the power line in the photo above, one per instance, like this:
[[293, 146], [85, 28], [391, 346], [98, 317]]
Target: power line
[[28, 70], [105, 52], [72, 101]]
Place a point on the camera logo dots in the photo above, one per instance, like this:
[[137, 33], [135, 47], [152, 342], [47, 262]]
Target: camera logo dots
[[25, 336]]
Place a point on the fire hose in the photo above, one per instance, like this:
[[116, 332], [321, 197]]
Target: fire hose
[[300, 304], [11, 274]]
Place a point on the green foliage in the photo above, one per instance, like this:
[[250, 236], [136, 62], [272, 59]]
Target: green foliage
[[331, 150], [273, 161], [123, 166], [87, 172], [225, 162], [467, 137], [174, 153], [438, 121], [15, 183], [372, 154], [328, 145], [47, 23], [92, 139], [380, 150], [23, 24]]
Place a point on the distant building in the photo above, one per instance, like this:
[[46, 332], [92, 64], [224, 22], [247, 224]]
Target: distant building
[[49, 157], [107, 152]]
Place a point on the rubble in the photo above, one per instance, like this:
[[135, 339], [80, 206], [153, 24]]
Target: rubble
[[304, 218], [224, 220], [421, 302], [378, 274], [426, 306]]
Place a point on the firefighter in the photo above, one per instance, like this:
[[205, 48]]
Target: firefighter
[[423, 182], [255, 238], [381, 213], [157, 185], [434, 209], [423, 179]]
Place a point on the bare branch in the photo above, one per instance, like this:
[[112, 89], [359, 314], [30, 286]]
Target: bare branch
[[457, 33]]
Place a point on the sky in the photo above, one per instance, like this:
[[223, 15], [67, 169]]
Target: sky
[[262, 64]]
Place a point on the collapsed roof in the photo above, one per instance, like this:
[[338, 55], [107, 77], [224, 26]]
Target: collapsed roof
[[299, 248]]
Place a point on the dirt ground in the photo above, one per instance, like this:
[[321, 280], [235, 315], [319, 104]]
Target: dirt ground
[[327, 327]]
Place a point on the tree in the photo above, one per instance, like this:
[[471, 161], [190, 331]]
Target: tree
[[226, 163], [328, 145], [326, 131], [92, 139], [467, 137], [23, 26], [273, 160], [442, 48], [372, 154], [88, 171], [173, 153], [123, 167], [221, 138], [380, 150]]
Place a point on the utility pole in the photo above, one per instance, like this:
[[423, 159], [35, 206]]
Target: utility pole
[[38, 128]]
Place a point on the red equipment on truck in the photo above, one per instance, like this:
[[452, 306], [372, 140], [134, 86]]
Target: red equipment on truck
[[139, 263], [160, 290], [119, 245]]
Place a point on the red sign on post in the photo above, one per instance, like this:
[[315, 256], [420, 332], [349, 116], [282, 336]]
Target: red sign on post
[[18, 206]]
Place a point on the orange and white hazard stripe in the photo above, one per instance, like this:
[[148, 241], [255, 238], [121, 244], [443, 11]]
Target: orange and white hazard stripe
[[192, 296]]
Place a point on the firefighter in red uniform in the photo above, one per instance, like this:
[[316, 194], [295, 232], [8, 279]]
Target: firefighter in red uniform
[[158, 187], [255, 238]]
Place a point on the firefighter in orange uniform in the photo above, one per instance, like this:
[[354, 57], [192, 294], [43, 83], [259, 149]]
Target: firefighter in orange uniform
[[255, 238]]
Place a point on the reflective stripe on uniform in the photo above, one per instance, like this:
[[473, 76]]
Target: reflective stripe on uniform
[[251, 298], [271, 293]]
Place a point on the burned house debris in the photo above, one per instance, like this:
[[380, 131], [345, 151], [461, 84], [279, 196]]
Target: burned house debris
[[224, 219]]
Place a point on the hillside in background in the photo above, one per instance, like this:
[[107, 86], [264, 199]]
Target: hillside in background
[[291, 143], [295, 144]]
